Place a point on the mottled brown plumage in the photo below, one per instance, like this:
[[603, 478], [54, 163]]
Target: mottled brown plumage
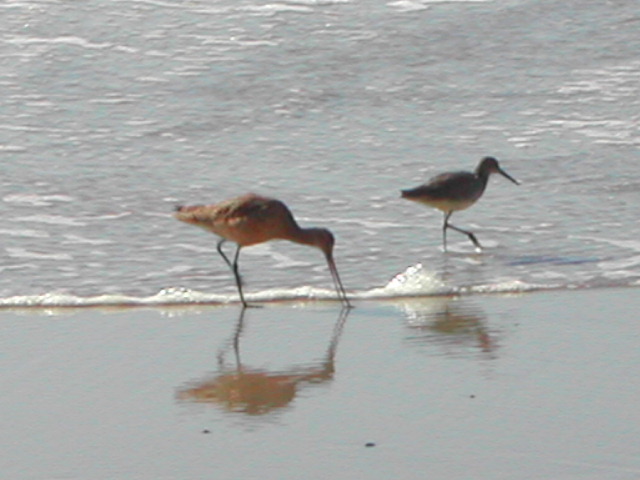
[[251, 219], [454, 191]]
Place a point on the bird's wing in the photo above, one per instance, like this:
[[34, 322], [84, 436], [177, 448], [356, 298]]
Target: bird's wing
[[247, 207], [450, 186]]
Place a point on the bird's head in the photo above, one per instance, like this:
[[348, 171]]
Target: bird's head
[[324, 240], [490, 165]]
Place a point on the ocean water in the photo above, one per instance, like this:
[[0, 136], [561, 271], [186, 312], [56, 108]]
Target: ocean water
[[114, 112]]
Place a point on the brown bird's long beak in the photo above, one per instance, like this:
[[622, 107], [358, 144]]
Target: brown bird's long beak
[[506, 175], [342, 294]]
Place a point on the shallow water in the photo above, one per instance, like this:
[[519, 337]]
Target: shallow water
[[113, 112], [528, 386]]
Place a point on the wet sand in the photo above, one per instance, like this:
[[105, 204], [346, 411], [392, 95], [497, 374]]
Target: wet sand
[[535, 386]]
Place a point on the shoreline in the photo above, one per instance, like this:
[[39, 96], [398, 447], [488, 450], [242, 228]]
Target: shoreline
[[89, 303], [433, 386]]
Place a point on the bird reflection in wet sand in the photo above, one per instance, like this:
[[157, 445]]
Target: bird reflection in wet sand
[[258, 392], [460, 328]]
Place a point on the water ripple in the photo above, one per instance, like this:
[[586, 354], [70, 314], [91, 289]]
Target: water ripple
[[51, 220]]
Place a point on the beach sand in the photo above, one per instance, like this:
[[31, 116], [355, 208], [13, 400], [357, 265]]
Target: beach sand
[[534, 386]]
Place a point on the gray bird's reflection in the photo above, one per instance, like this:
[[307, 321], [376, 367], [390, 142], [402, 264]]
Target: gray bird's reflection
[[455, 325], [255, 391]]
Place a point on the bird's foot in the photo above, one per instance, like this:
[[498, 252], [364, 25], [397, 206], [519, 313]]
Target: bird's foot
[[249, 305]]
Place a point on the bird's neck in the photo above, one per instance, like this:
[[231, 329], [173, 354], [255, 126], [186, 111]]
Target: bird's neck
[[306, 236], [483, 175]]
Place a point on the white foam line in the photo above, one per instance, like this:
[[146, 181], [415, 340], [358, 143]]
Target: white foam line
[[25, 233], [12, 148], [77, 239], [23, 253], [274, 8], [186, 297], [65, 40], [35, 199]]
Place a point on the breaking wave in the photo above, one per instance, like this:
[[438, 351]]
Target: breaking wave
[[415, 281]]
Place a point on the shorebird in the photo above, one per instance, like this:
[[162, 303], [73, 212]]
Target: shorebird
[[251, 219], [454, 191]]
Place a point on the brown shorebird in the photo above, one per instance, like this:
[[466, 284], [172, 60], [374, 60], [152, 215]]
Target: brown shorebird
[[455, 191], [251, 219]]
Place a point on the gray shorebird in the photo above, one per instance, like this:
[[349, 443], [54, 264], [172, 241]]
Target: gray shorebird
[[454, 191], [251, 219]]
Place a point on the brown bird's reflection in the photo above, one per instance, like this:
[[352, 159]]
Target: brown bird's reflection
[[257, 392], [454, 324]]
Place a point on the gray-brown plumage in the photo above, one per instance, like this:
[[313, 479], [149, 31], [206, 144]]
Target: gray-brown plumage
[[251, 219], [454, 191]]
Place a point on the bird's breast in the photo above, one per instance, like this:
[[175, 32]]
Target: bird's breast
[[242, 231], [446, 205]]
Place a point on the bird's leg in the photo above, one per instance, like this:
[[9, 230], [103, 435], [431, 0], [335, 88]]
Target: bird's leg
[[469, 234], [234, 268], [445, 225], [224, 257]]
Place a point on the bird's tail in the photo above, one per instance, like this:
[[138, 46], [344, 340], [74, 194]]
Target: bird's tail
[[407, 193]]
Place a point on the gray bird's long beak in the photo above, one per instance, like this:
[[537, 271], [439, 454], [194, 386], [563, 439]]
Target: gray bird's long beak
[[506, 175]]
